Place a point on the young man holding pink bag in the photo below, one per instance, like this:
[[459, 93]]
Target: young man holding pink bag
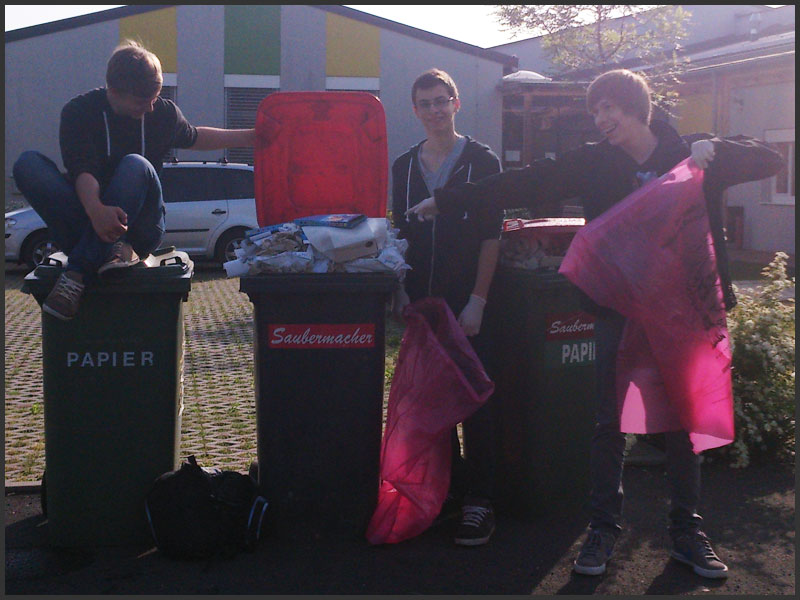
[[634, 151]]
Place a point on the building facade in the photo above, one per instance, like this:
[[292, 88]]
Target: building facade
[[219, 62], [740, 80]]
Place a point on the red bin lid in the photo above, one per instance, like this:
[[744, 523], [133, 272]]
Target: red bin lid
[[320, 153]]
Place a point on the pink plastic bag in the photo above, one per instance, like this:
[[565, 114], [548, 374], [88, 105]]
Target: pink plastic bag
[[438, 382], [651, 258]]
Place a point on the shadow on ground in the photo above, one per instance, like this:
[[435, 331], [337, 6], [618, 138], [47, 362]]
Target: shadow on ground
[[749, 515]]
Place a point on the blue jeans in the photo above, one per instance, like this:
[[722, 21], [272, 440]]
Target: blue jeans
[[608, 447], [135, 188]]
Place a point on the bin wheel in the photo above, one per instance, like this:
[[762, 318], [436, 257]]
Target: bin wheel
[[43, 494]]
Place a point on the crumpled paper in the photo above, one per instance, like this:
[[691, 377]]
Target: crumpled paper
[[284, 248]]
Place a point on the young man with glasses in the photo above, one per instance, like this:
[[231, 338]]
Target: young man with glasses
[[453, 258], [108, 210]]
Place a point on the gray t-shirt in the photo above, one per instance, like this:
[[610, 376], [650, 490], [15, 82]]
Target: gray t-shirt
[[438, 178]]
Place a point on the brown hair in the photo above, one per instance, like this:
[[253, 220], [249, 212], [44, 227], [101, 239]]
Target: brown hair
[[132, 69], [431, 78], [626, 89]]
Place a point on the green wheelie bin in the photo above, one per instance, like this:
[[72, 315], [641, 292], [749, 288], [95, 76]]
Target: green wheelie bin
[[319, 355], [543, 369], [319, 337], [112, 383]]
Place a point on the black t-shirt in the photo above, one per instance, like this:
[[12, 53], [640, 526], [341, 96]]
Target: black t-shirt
[[94, 138]]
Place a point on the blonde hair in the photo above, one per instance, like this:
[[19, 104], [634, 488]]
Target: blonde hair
[[133, 69]]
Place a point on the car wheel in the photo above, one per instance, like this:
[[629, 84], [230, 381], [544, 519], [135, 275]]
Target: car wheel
[[37, 247], [227, 243]]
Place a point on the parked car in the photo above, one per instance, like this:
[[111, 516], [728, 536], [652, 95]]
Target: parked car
[[209, 207]]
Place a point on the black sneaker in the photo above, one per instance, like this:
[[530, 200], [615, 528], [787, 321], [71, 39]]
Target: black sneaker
[[596, 551], [694, 549], [477, 523]]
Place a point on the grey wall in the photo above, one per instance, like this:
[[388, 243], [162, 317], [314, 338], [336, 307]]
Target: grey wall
[[201, 75], [402, 60], [44, 73], [303, 41], [754, 110]]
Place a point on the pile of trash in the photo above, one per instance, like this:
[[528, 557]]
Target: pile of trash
[[370, 246], [537, 243]]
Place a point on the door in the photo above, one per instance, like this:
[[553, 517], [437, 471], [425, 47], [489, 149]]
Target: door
[[195, 209]]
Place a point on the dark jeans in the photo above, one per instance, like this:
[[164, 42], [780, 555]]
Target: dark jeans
[[135, 188], [608, 446], [474, 474]]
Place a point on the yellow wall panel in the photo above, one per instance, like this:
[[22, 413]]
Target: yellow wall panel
[[696, 114], [353, 48], [158, 31]]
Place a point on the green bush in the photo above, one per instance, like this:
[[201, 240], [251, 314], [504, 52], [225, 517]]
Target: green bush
[[762, 332]]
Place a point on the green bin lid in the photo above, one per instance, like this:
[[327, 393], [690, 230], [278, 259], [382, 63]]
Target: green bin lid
[[165, 271]]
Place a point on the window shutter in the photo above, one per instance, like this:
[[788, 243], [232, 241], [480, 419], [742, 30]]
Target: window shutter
[[241, 106], [169, 92]]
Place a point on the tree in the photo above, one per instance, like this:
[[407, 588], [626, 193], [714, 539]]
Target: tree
[[584, 40]]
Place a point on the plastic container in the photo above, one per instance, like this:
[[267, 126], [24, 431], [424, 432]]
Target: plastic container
[[543, 368], [319, 338], [320, 153], [113, 383]]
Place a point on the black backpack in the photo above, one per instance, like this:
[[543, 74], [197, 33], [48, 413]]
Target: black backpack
[[197, 512]]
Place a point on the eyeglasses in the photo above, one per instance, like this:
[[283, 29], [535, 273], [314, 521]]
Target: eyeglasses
[[439, 102]]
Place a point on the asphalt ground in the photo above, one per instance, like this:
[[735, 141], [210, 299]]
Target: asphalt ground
[[748, 513]]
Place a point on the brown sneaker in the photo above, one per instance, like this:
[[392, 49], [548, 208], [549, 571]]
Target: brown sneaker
[[64, 299], [122, 255]]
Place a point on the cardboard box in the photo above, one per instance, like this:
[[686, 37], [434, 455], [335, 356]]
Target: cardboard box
[[340, 245]]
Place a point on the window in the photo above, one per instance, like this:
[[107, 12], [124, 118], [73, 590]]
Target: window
[[231, 184], [783, 183], [187, 184]]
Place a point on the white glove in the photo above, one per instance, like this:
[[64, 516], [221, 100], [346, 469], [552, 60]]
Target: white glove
[[703, 153], [400, 300], [472, 315]]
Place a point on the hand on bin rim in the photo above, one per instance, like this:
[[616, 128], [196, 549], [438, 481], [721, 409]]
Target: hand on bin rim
[[471, 317]]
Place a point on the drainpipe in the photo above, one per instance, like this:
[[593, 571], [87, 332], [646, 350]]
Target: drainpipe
[[714, 103], [755, 25]]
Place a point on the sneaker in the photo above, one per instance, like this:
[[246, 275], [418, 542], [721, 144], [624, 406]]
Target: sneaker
[[477, 523], [596, 551], [694, 549], [64, 299], [122, 255]]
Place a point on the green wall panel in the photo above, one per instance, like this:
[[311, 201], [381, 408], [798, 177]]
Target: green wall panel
[[252, 40]]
